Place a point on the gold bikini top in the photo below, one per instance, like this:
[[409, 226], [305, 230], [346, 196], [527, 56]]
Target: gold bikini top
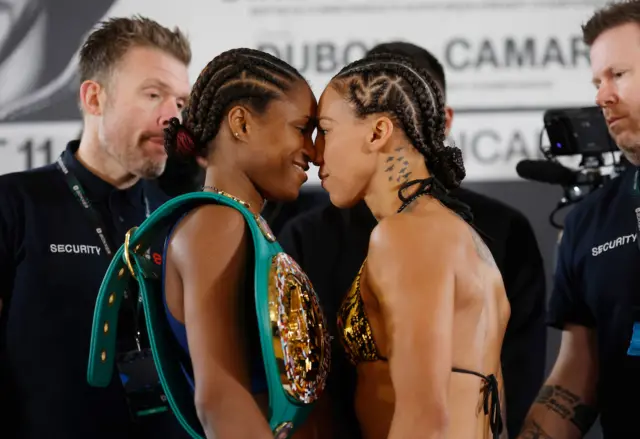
[[357, 339], [354, 328]]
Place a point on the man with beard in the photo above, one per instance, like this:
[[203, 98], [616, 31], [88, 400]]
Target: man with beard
[[595, 299], [60, 225]]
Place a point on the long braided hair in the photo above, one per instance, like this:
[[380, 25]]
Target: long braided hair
[[235, 77], [393, 84]]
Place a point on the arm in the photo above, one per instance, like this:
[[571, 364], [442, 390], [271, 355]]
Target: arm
[[209, 253], [524, 347], [565, 407], [416, 295]]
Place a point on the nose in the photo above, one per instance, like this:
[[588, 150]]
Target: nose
[[308, 148], [319, 148], [169, 110], [607, 94]]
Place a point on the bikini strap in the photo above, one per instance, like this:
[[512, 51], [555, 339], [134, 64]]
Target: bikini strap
[[491, 401]]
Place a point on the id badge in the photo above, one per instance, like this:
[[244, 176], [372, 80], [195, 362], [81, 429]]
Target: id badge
[[141, 383], [634, 344]]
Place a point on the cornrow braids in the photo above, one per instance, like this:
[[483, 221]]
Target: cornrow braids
[[393, 84], [235, 77]]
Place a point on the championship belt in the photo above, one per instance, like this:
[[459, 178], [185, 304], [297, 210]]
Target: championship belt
[[294, 340]]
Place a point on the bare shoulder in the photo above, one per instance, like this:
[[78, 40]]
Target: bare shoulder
[[211, 221], [481, 248], [414, 234], [206, 230], [411, 246]]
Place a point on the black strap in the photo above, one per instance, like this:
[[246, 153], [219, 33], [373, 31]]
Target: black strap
[[634, 343], [636, 196], [491, 401], [97, 222], [432, 186], [94, 216]]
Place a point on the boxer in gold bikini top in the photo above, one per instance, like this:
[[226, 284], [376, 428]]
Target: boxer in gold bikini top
[[429, 299]]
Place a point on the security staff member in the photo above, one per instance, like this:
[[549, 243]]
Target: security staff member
[[596, 296], [60, 224], [330, 244]]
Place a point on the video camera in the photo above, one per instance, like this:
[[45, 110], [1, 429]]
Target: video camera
[[573, 132]]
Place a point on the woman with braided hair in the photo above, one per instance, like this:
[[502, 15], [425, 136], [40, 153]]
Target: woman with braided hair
[[249, 123], [424, 321]]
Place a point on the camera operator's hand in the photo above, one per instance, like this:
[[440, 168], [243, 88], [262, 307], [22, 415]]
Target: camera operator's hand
[[565, 407]]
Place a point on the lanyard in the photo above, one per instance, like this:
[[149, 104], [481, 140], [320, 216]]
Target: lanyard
[[634, 344], [94, 216], [78, 191], [636, 194]]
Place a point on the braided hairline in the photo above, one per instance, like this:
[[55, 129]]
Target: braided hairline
[[412, 130], [293, 73], [219, 76], [364, 64], [417, 75], [202, 116], [399, 113], [282, 68], [418, 110], [210, 121]]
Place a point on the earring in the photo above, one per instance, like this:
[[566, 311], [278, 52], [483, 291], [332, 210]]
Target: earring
[[237, 134]]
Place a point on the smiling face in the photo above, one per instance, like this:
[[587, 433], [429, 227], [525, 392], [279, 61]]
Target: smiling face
[[615, 65], [280, 147]]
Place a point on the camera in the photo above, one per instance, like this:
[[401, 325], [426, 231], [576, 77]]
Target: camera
[[573, 132], [578, 131]]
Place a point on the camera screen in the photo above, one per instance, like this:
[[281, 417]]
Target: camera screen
[[578, 131]]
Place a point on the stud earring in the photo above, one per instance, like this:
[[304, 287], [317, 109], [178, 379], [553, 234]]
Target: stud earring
[[237, 134]]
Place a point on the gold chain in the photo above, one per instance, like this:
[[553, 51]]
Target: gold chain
[[228, 195]]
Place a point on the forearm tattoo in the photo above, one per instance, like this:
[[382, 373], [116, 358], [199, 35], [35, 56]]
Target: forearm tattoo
[[568, 406]]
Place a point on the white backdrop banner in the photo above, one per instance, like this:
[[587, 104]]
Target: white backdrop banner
[[505, 61]]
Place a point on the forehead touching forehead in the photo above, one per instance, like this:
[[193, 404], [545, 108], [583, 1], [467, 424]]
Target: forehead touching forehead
[[297, 102], [615, 48], [142, 67], [333, 106]]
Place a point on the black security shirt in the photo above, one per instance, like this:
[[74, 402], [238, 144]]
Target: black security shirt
[[51, 267], [597, 285], [330, 244]]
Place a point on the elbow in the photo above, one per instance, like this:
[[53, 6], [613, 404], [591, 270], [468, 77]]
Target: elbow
[[438, 423], [435, 424], [205, 409], [431, 419]]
